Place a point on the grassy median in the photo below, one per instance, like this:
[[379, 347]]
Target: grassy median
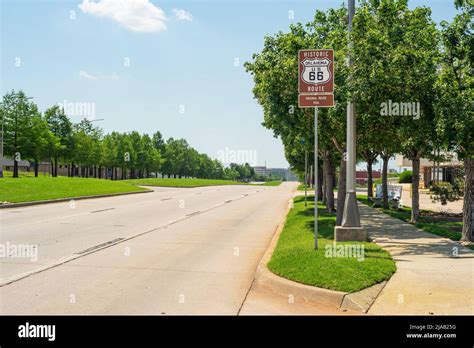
[[29, 188], [294, 257]]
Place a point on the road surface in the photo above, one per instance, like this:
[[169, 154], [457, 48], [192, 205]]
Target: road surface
[[173, 251]]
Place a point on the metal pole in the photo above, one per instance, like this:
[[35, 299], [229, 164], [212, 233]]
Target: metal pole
[[316, 178], [305, 178], [351, 212]]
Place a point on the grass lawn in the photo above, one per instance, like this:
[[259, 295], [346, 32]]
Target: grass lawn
[[28, 188], [295, 258], [301, 188], [271, 183], [181, 182], [441, 227]]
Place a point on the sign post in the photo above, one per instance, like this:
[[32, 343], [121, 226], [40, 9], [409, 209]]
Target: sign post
[[316, 88]]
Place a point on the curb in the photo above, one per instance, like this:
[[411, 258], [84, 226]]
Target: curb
[[60, 200], [359, 301]]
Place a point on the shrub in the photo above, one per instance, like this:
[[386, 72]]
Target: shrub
[[443, 192], [405, 177]]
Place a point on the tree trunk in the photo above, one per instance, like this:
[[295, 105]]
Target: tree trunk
[[415, 195], [384, 181], [51, 166], [328, 178], [323, 186], [99, 174], [55, 167], [341, 192], [468, 208], [370, 182], [15, 168], [36, 168], [320, 182]]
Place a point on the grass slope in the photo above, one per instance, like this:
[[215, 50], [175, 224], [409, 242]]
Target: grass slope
[[295, 258], [28, 188]]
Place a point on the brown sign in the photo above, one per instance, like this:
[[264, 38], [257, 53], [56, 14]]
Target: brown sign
[[316, 100], [316, 71]]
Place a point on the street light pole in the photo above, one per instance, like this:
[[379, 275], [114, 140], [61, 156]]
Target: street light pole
[[350, 228]]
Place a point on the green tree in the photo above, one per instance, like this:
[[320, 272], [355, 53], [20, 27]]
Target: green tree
[[455, 116], [275, 73], [38, 140], [60, 125], [19, 115], [395, 58]]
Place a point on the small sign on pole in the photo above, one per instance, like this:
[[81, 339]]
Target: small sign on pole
[[315, 100], [315, 88]]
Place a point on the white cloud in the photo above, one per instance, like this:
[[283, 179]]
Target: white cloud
[[182, 15], [135, 15], [87, 76]]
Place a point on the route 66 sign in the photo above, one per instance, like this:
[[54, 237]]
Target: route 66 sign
[[316, 71]]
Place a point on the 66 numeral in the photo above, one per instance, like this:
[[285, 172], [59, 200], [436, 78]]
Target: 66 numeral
[[316, 75]]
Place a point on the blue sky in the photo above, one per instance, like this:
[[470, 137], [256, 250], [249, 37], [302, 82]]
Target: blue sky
[[171, 66]]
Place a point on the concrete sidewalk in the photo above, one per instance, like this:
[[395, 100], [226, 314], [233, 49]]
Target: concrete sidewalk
[[434, 275]]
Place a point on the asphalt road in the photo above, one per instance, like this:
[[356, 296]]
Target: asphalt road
[[173, 251]]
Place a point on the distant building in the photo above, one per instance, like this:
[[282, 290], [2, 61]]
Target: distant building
[[283, 173], [429, 170], [23, 166], [260, 170]]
